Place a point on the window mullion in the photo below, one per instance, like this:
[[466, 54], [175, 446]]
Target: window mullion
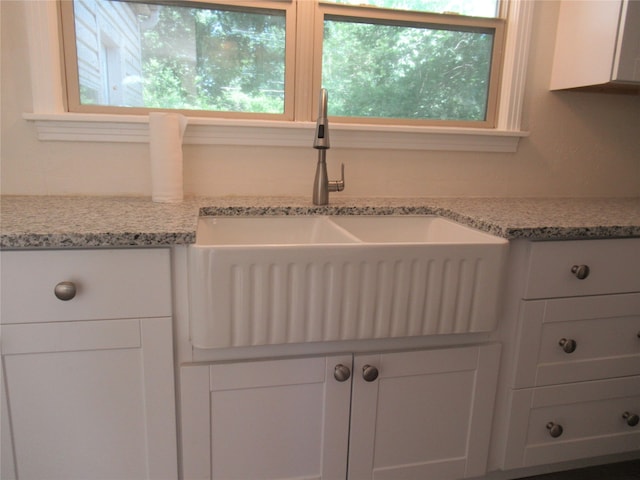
[[305, 55], [45, 55]]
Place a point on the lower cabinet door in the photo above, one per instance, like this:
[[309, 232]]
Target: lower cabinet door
[[89, 400], [272, 419], [423, 414], [7, 456], [578, 420]]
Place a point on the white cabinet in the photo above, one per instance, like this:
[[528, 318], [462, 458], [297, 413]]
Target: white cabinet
[[573, 421], [576, 387], [576, 339], [284, 418], [414, 414], [88, 382], [427, 414], [609, 266], [597, 43]]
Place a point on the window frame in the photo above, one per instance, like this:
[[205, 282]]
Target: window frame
[[70, 66], [53, 123], [308, 34], [415, 19]]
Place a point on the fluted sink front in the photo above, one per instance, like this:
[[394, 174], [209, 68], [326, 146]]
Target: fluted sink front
[[292, 279]]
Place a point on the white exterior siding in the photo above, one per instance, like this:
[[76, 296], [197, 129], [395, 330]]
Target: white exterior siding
[[109, 53]]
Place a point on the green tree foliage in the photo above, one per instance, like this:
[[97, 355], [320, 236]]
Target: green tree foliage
[[214, 60], [406, 72], [233, 60], [480, 8]]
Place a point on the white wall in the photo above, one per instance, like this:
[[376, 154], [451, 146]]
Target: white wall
[[581, 144]]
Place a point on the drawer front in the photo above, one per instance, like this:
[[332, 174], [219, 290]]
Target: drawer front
[[577, 339], [613, 267], [122, 283], [569, 422]]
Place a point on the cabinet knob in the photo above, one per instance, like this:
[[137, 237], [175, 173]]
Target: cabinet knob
[[632, 419], [568, 345], [555, 430], [580, 271], [341, 373], [369, 373], [65, 290]]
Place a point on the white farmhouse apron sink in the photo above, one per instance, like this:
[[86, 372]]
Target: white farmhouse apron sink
[[290, 279]]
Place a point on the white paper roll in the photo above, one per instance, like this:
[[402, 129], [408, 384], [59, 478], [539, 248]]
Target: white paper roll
[[166, 131]]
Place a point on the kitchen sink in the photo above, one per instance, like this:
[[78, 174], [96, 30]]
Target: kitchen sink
[[300, 230], [292, 279], [409, 229]]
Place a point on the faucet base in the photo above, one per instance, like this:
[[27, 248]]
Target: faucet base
[[321, 181]]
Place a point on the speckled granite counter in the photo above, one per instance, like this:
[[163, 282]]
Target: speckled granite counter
[[58, 222]]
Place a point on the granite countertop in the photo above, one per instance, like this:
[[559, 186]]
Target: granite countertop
[[59, 222]]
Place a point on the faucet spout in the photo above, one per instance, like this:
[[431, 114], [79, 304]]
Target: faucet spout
[[321, 140], [322, 185]]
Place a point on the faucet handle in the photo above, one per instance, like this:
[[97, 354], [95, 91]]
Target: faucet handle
[[337, 185]]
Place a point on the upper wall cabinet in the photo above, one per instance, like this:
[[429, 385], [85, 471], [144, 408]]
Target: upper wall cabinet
[[597, 45]]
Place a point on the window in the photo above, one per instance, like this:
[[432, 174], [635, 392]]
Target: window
[[383, 61], [53, 121], [382, 64], [195, 57]]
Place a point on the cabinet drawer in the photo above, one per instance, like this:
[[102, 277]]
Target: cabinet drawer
[[613, 268], [577, 339], [123, 283], [588, 419]]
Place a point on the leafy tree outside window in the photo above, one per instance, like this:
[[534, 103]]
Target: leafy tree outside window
[[234, 59], [406, 72]]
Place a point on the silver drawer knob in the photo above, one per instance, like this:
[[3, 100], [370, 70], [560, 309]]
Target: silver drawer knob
[[632, 419], [555, 430], [580, 271], [568, 345], [369, 373], [65, 290], [341, 373]]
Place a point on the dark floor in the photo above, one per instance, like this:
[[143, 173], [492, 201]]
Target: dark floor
[[615, 471]]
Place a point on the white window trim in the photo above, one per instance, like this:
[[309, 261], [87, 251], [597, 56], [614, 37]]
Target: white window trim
[[54, 124]]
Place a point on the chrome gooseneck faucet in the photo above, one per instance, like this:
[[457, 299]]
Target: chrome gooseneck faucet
[[322, 185]]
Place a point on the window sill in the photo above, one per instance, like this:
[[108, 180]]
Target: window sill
[[205, 131]]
